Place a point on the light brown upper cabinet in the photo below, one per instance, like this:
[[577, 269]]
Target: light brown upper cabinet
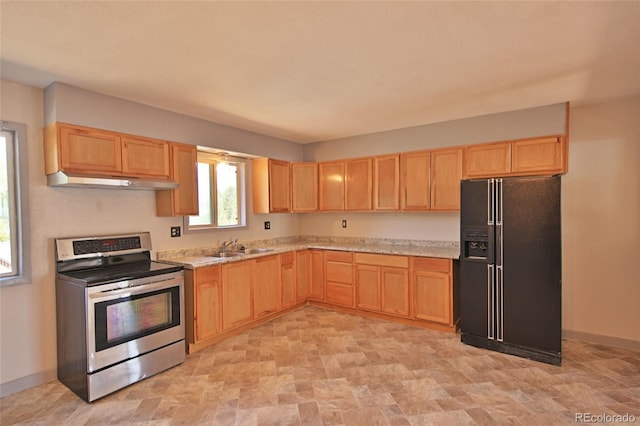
[[359, 184], [416, 180], [304, 187], [182, 201], [516, 158], [270, 186], [331, 185], [446, 172], [86, 150], [536, 156], [386, 182], [145, 157], [486, 160]]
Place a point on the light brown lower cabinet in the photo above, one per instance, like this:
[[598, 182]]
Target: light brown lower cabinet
[[225, 298], [288, 279], [433, 290], [266, 290], [237, 293], [382, 283], [316, 285], [303, 275], [338, 271]]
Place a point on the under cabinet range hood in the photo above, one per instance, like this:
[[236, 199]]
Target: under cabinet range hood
[[62, 179]]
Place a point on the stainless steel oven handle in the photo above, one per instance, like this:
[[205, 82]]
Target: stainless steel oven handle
[[130, 291]]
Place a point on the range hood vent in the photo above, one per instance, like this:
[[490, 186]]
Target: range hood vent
[[61, 179]]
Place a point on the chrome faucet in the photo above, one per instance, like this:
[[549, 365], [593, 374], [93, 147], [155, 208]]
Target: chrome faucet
[[227, 244]]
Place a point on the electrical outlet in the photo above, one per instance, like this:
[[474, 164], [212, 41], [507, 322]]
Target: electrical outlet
[[267, 225], [175, 231], [344, 223]]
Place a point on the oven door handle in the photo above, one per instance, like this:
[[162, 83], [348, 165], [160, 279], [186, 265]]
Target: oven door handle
[[118, 293]]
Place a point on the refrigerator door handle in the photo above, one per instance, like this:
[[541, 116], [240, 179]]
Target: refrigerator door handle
[[490, 302], [490, 202], [498, 202], [500, 303]]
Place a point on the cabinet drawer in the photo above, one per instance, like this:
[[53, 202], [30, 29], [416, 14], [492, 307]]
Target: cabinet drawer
[[339, 272], [431, 264], [338, 256], [381, 260], [287, 258], [209, 273], [340, 294]]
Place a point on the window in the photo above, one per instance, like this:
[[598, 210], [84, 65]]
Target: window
[[220, 193], [14, 205]]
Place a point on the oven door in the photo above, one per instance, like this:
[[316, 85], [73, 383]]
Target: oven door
[[130, 318]]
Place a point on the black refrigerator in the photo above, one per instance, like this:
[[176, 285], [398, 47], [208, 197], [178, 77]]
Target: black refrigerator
[[511, 266]]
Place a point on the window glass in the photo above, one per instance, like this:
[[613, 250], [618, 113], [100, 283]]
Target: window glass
[[220, 194], [14, 206]]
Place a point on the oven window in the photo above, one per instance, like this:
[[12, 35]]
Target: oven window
[[119, 321]]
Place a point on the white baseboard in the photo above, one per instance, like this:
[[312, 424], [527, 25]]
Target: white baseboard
[[27, 382], [616, 342]]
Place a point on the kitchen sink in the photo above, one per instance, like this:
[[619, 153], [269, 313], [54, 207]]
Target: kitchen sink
[[257, 250], [226, 254]]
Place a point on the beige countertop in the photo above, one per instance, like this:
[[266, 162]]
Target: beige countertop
[[197, 258]]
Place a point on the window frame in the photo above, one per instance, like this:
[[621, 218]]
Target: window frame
[[213, 159], [19, 205]]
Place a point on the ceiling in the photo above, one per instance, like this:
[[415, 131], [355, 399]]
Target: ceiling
[[312, 71]]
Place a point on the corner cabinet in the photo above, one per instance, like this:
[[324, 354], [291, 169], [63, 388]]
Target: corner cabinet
[[288, 278], [271, 187], [182, 201], [304, 187], [331, 185]]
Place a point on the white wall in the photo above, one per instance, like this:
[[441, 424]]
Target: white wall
[[601, 223]]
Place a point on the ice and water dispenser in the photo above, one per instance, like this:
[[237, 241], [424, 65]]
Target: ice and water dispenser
[[475, 244]]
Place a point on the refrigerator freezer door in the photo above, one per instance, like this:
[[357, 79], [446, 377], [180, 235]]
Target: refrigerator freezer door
[[531, 262], [477, 294]]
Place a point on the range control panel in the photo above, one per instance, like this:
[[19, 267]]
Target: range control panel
[[111, 245], [106, 245]]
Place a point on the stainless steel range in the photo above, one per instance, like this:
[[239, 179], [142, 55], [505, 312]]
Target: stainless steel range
[[120, 315]]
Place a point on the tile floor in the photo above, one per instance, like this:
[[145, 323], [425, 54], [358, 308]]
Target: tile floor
[[320, 367]]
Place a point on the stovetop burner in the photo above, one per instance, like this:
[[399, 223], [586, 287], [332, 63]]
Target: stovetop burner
[[102, 260]]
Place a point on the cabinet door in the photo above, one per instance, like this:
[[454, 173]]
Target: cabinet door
[[182, 201], [89, 150], [487, 160], [303, 275], [533, 156], [416, 181], [207, 302], [317, 287], [386, 182], [288, 279], [446, 172], [279, 188], [237, 285], [368, 287], [266, 290], [145, 157], [359, 184], [331, 185], [432, 296], [304, 187], [394, 289]]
